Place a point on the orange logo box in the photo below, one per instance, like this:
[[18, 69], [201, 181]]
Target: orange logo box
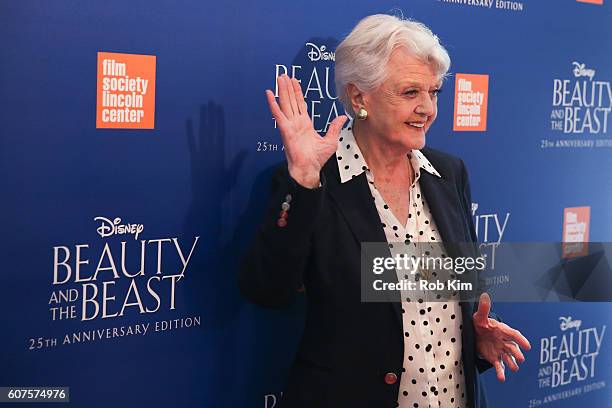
[[576, 231], [590, 1], [471, 97], [125, 91]]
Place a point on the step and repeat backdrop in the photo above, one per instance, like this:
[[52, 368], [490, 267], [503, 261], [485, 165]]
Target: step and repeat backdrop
[[135, 151]]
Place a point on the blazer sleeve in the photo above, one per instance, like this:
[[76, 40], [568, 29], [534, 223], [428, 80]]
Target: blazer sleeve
[[272, 269]]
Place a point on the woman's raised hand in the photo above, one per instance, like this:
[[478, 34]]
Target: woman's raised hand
[[306, 151]]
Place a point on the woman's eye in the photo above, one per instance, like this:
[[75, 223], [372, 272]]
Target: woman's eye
[[436, 92]]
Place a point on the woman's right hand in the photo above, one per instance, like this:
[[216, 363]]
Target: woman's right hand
[[305, 149]]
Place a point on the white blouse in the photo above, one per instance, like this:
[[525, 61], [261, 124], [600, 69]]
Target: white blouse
[[432, 373]]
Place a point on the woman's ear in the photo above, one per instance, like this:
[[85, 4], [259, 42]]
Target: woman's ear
[[356, 96]]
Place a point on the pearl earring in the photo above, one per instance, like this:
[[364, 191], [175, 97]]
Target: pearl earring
[[362, 114]]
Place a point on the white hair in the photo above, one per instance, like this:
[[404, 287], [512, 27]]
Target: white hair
[[362, 57]]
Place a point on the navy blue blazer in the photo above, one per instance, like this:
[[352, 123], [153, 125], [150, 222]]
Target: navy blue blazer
[[349, 346]]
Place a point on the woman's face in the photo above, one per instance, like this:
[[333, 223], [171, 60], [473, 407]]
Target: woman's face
[[402, 109]]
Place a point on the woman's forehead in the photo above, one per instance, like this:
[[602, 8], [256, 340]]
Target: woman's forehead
[[412, 79], [406, 69]]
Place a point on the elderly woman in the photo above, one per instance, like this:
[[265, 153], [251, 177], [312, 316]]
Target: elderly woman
[[374, 181]]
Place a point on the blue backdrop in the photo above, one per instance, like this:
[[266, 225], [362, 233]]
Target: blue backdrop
[[197, 181]]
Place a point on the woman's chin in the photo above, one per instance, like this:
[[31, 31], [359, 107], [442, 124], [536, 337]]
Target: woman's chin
[[415, 140]]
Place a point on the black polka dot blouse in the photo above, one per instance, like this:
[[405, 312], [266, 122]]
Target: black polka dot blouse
[[432, 373]]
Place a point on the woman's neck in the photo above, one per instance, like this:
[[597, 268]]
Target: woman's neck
[[387, 162]]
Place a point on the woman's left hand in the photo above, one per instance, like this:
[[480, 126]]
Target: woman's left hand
[[497, 342]]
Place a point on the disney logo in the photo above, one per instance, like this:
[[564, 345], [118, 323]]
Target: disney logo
[[567, 323], [320, 53], [109, 228], [580, 70]]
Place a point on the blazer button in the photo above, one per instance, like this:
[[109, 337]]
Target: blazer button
[[390, 378]]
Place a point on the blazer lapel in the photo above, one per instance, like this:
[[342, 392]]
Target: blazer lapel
[[445, 207], [355, 202], [357, 206], [449, 215]]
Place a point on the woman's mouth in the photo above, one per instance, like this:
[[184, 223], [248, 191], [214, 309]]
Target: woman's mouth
[[417, 125]]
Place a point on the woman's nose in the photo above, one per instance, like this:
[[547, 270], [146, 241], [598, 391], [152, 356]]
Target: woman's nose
[[425, 105]]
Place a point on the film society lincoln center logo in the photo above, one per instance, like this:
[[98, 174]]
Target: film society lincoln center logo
[[125, 91], [471, 98], [576, 222]]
